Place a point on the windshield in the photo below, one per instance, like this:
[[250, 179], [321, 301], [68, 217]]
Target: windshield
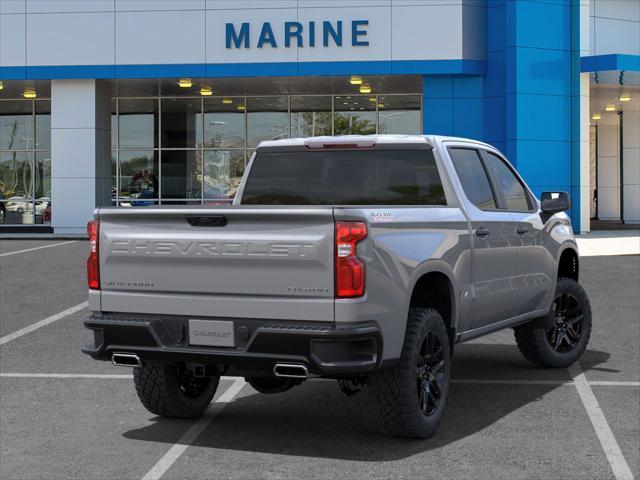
[[344, 177]]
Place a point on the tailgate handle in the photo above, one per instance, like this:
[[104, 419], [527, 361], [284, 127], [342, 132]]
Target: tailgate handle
[[207, 221]]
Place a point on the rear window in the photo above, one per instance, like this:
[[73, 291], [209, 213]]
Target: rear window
[[344, 177]]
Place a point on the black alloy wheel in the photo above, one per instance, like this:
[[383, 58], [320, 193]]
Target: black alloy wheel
[[430, 375], [566, 333]]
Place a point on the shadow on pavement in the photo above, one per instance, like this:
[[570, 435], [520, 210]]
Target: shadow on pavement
[[317, 420]]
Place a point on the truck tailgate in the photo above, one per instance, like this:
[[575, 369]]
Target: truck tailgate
[[234, 262]]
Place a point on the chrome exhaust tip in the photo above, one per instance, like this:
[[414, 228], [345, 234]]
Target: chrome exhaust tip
[[290, 370], [126, 360]]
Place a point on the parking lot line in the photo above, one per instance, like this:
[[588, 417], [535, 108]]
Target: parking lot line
[[196, 429], [619, 465], [37, 248], [63, 375], [606, 383], [43, 323]]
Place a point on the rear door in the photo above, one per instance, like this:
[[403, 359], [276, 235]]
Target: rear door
[[233, 262], [494, 255], [534, 262]]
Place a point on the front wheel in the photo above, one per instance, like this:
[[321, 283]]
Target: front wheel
[[565, 342], [412, 394], [172, 391]]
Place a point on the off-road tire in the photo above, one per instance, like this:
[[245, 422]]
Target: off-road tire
[[160, 392], [535, 345], [395, 389]]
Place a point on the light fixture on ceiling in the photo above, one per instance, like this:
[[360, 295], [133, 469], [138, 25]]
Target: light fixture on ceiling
[[610, 108], [381, 105], [227, 101], [240, 107], [355, 80], [206, 91], [364, 88], [596, 116], [184, 83], [622, 98], [373, 99], [1, 86], [29, 93]]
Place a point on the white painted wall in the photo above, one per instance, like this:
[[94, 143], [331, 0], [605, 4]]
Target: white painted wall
[[631, 174], [80, 152], [107, 32], [609, 167], [615, 27]]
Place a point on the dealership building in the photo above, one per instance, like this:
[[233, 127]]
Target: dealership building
[[140, 102]]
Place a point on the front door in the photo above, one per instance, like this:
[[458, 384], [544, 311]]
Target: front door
[[534, 262]]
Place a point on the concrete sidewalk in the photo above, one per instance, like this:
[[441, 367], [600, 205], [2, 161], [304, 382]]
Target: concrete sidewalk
[[609, 242]]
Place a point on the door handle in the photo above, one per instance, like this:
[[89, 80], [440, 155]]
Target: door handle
[[482, 232], [522, 230]]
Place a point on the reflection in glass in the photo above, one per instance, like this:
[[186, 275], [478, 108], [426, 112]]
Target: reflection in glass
[[138, 174], [223, 171], [16, 125], [399, 114], [43, 176], [224, 123], [114, 175], [267, 119], [181, 174], [310, 116], [114, 125], [181, 122], [16, 187], [43, 125], [355, 115], [138, 123]]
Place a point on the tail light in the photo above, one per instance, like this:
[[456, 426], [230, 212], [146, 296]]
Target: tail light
[[349, 268], [93, 262]]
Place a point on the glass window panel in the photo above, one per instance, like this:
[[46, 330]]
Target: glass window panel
[[267, 119], [138, 123], [43, 125], [114, 125], [223, 171], [310, 116], [473, 177], [356, 177], [16, 125], [181, 122], [43, 176], [16, 187], [224, 123], [138, 174], [512, 190], [354, 115], [181, 175], [114, 175], [399, 114]]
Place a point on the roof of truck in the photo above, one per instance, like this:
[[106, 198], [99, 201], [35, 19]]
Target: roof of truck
[[365, 140]]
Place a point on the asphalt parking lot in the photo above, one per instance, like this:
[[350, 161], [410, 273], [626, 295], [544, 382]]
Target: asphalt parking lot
[[63, 415]]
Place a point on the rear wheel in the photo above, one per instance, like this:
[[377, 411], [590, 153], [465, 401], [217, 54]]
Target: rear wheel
[[173, 391], [413, 393], [565, 342]]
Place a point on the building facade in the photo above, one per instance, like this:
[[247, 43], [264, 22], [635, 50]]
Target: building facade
[[141, 102]]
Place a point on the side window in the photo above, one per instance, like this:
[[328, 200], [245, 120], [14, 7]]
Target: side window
[[473, 177], [514, 194]]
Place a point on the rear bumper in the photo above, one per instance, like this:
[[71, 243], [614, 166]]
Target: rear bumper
[[325, 350]]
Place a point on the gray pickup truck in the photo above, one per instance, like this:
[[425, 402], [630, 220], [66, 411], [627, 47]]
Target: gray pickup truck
[[362, 258]]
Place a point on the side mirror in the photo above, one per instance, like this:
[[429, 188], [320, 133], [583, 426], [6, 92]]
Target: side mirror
[[554, 202]]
